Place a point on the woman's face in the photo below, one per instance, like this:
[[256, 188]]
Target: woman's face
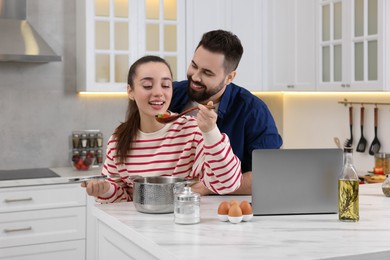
[[152, 90]]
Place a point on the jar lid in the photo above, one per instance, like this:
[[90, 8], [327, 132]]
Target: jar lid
[[187, 195], [382, 155]]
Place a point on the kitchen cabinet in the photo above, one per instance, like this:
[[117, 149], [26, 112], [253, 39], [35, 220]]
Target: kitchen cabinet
[[244, 20], [351, 51], [291, 45], [112, 34], [43, 221]]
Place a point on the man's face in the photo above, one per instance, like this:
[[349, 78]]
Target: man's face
[[206, 76]]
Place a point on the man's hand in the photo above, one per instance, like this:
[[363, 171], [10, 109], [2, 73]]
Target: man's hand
[[206, 118]]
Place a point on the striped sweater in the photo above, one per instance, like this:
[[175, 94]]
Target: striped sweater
[[179, 149]]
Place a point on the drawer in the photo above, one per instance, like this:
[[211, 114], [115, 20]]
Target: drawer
[[74, 250], [41, 197], [42, 226]]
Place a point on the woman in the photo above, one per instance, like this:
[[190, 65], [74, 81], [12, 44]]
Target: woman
[[188, 148]]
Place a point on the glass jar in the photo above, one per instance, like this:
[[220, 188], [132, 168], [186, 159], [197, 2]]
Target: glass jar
[[99, 156], [76, 140], [92, 140], [386, 186], [99, 139], [84, 141], [187, 206], [348, 189], [382, 160]]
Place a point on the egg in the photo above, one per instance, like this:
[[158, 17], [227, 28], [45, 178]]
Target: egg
[[246, 207], [235, 211], [233, 201], [223, 210], [235, 214]]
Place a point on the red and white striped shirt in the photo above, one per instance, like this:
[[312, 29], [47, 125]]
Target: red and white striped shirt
[[179, 149]]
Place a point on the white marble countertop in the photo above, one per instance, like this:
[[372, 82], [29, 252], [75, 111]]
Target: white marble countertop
[[264, 237], [65, 174]]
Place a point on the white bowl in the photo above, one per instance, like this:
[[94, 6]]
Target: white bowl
[[235, 220]]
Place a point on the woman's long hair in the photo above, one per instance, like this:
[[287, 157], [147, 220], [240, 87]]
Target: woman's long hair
[[126, 132]]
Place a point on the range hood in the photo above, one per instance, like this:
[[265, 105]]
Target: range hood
[[19, 42]]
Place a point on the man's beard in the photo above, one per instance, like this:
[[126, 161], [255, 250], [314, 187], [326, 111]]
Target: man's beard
[[204, 94]]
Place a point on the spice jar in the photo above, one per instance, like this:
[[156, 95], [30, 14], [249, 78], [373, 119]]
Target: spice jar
[[99, 156], [92, 140], [84, 141], [386, 186], [76, 140], [382, 163], [187, 206], [99, 139]]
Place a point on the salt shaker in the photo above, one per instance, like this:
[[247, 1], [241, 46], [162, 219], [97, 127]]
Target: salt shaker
[[187, 206]]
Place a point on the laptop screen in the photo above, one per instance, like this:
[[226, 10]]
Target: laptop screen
[[295, 181]]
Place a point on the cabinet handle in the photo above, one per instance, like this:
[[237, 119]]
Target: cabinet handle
[[290, 86], [10, 230], [16, 200]]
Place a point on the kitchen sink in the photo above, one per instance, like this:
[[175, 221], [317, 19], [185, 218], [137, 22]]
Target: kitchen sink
[[20, 174]]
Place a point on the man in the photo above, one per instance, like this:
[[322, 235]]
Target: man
[[241, 115]]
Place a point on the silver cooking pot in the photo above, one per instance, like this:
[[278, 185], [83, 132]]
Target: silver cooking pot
[[156, 194]]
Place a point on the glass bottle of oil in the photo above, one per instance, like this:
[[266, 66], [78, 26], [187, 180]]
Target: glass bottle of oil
[[348, 189]]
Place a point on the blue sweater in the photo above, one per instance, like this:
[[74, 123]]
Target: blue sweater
[[244, 117]]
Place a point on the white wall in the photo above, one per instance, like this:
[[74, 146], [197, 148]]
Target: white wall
[[312, 120]]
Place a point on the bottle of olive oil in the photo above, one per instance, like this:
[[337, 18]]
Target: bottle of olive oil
[[348, 189]]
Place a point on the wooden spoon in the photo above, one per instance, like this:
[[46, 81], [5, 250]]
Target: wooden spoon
[[166, 118]]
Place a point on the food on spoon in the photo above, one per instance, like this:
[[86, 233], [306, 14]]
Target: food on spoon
[[165, 115]]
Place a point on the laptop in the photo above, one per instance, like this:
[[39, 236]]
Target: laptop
[[295, 181]]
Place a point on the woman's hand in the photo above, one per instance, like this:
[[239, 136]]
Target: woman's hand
[[96, 188], [201, 189], [206, 118]]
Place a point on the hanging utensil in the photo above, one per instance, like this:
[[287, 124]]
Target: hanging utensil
[[361, 147], [349, 142], [375, 145]]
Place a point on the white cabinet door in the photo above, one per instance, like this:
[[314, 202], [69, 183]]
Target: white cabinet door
[[42, 226], [241, 18], [351, 45], [74, 250], [291, 45], [112, 34], [43, 222], [41, 197]]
